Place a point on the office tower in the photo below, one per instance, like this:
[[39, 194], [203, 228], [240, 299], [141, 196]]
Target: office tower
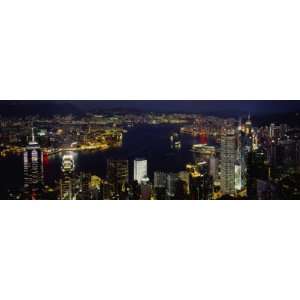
[[139, 169], [228, 158], [84, 192], [33, 169], [117, 176], [213, 167], [248, 126], [237, 176], [201, 187], [160, 179], [160, 183], [238, 162], [67, 182], [171, 185]]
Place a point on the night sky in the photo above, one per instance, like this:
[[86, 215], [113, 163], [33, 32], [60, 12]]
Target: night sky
[[213, 107]]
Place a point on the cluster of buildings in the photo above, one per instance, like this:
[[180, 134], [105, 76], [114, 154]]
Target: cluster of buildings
[[244, 163]]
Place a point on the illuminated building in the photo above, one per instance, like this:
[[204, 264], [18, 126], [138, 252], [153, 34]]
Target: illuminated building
[[240, 125], [33, 169], [254, 141], [84, 192], [248, 126], [139, 169], [171, 185], [175, 142], [67, 182], [228, 158], [95, 187], [202, 152], [274, 132], [117, 175], [160, 183], [237, 177], [160, 179], [213, 167], [238, 162]]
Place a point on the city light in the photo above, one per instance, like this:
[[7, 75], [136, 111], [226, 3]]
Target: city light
[[149, 155]]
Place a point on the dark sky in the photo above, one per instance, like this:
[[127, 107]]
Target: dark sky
[[212, 106]]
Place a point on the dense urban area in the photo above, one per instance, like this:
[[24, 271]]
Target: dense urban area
[[231, 157]]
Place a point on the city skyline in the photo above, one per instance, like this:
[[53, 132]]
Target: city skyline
[[234, 108], [127, 154]]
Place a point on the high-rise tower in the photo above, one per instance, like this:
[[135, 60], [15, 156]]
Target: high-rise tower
[[33, 169], [139, 169], [248, 125], [67, 182], [228, 159]]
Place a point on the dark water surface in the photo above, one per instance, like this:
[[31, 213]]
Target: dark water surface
[[148, 141]]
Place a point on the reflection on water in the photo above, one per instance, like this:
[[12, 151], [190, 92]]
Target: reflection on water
[[149, 141]]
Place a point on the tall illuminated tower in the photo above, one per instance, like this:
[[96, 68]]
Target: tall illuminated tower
[[33, 169], [139, 169], [248, 125], [67, 182], [238, 162], [228, 159]]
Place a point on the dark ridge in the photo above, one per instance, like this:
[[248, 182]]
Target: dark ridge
[[41, 108]]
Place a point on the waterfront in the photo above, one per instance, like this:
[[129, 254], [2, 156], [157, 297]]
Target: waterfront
[[148, 141]]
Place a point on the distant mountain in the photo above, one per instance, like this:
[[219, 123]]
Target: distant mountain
[[262, 112], [22, 108]]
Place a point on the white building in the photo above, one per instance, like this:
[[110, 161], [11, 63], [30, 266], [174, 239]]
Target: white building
[[139, 169]]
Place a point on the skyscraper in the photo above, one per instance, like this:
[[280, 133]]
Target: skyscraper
[[213, 167], [171, 185], [33, 169], [160, 179], [67, 182], [248, 126], [117, 175], [160, 183], [84, 192], [228, 158], [238, 162], [139, 169]]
